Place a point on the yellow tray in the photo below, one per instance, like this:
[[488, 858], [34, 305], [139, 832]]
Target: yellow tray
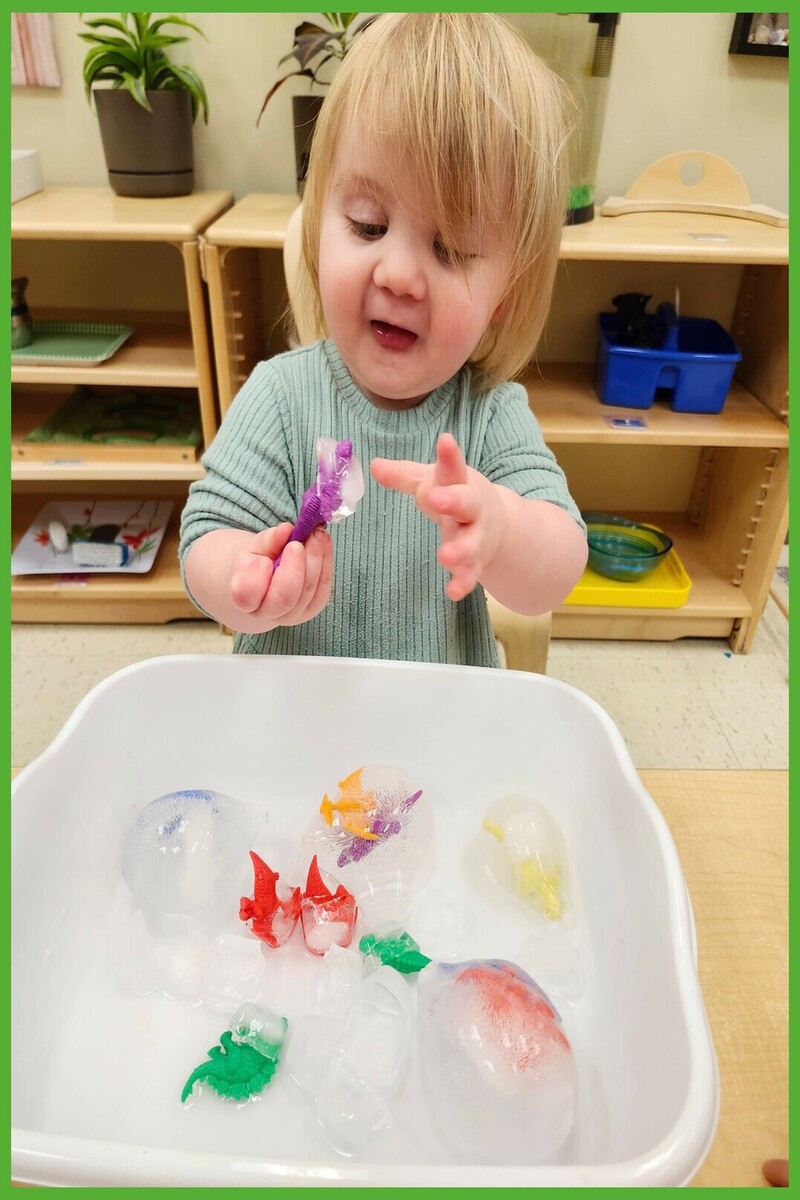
[[666, 587]]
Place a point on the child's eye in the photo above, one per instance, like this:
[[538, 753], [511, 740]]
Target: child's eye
[[451, 257], [367, 230]]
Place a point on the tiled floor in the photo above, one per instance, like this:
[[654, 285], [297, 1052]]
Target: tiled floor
[[686, 704]]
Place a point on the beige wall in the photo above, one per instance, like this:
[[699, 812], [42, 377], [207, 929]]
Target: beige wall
[[673, 87]]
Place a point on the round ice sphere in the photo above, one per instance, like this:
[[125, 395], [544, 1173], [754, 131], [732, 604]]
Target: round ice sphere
[[184, 851], [498, 1066]]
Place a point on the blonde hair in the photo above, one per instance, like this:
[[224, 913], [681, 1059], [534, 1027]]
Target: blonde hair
[[484, 120]]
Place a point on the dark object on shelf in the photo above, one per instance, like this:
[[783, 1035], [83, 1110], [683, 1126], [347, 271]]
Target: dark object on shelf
[[771, 29], [592, 96], [624, 550], [305, 110], [21, 323], [634, 328], [104, 533], [147, 153], [691, 357]]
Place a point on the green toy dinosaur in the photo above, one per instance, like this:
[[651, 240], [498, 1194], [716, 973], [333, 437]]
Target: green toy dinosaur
[[397, 949], [236, 1070]]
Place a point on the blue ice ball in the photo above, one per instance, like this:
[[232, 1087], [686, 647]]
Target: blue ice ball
[[184, 851]]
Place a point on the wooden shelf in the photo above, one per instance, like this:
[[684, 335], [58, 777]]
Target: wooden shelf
[[675, 237], [156, 355], [259, 220], [568, 409], [156, 596], [169, 351], [739, 475], [98, 215], [32, 406], [714, 603]]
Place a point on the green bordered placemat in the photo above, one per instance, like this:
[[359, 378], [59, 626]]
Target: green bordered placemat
[[125, 418], [62, 343]]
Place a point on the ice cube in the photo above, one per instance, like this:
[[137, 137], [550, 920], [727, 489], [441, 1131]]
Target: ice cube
[[340, 981], [235, 972]]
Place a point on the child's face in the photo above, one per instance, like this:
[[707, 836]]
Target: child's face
[[404, 318]]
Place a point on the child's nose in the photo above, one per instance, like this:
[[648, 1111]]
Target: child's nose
[[399, 269]]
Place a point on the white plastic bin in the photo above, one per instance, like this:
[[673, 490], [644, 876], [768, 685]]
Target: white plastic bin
[[97, 1073]]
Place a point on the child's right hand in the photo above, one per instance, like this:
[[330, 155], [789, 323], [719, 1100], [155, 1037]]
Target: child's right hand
[[294, 592]]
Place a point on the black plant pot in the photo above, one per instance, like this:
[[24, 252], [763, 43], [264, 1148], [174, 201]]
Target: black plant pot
[[305, 110], [147, 153]]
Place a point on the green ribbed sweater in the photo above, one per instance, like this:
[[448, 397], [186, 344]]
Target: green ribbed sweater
[[388, 592]]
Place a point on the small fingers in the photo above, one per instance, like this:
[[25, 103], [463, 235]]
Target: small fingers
[[457, 500], [451, 466], [287, 582], [322, 591], [461, 584], [250, 581], [401, 475]]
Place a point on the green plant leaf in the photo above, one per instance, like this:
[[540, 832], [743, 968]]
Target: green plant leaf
[[312, 41], [154, 28], [136, 60], [137, 88], [107, 23], [190, 80], [106, 64], [275, 87]]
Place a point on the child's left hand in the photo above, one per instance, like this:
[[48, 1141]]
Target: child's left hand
[[463, 503]]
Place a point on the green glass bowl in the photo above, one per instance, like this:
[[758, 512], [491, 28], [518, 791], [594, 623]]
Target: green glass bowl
[[624, 550]]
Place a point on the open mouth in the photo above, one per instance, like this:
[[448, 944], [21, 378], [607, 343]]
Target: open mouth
[[394, 337]]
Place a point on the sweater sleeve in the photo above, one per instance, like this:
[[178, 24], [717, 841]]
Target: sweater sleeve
[[250, 478], [515, 454]]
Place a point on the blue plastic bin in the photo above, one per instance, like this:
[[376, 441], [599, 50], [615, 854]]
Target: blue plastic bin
[[696, 362]]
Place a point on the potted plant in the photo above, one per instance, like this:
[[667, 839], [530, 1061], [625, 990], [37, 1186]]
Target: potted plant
[[147, 113], [314, 46]]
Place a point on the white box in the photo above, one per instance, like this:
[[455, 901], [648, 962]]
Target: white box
[[277, 733], [26, 174]]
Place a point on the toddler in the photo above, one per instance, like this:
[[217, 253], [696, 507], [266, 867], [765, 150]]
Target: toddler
[[432, 214]]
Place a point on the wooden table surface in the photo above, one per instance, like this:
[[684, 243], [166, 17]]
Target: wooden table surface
[[731, 831]]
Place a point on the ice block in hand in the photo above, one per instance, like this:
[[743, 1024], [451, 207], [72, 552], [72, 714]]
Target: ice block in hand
[[335, 493]]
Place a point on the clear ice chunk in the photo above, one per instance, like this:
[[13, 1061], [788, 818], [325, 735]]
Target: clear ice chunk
[[524, 851], [497, 1065], [374, 835], [235, 972], [340, 980], [260, 1028], [184, 849], [350, 1065]]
